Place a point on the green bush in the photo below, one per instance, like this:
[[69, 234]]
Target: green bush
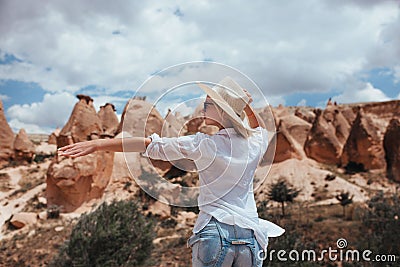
[[382, 224], [116, 234]]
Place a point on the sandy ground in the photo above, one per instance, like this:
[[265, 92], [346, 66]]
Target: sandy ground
[[10, 205], [309, 176]]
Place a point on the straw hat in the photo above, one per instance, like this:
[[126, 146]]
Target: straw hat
[[231, 98]]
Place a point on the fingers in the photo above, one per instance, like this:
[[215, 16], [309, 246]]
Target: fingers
[[75, 153], [68, 151], [74, 150], [66, 147]]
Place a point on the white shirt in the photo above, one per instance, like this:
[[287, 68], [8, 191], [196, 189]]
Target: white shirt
[[226, 163]]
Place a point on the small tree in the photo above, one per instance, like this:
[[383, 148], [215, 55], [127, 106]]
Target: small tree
[[282, 192], [344, 199]]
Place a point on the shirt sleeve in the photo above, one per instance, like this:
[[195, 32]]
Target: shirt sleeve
[[262, 136], [175, 148]]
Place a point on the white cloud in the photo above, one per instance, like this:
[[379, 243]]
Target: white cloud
[[308, 45], [367, 93], [2, 55], [396, 74], [30, 128], [184, 107], [43, 116], [302, 103], [118, 102], [273, 101], [4, 97]]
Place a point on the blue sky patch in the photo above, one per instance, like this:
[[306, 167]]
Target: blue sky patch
[[312, 99], [383, 79], [20, 93], [8, 59]]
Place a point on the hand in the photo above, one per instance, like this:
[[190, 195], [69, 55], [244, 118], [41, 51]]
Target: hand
[[78, 149], [249, 96]]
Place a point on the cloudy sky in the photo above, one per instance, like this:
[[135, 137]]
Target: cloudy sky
[[297, 52]]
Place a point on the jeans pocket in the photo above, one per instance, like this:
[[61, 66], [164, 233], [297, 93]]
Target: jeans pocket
[[209, 248]]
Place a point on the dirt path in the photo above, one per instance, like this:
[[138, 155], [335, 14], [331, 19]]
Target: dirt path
[[11, 205]]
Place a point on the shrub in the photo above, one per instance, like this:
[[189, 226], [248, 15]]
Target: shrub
[[382, 225], [39, 158], [293, 239], [53, 212], [116, 234]]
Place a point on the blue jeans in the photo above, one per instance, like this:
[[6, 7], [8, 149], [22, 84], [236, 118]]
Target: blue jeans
[[219, 244]]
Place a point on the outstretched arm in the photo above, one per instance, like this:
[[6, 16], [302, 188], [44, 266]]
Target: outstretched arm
[[131, 144]]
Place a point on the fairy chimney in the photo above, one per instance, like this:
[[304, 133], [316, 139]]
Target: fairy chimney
[[84, 123], [172, 126], [109, 120], [52, 140], [6, 139], [391, 145], [327, 136], [23, 147], [141, 119], [71, 182], [291, 134], [364, 147]]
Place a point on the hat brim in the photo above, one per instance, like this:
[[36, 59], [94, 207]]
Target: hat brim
[[224, 106]]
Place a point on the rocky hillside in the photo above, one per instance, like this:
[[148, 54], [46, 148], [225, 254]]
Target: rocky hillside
[[353, 148]]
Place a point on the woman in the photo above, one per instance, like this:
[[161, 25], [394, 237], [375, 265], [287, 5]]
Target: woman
[[228, 231]]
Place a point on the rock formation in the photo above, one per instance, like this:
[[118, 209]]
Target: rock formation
[[327, 136], [195, 123], [172, 125], [349, 113], [109, 120], [391, 144], [140, 118], [71, 182], [22, 219], [305, 113], [52, 140], [336, 136], [297, 128], [291, 135], [363, 148], [382, 110], [83, 124], [24, 148], [6, 139]]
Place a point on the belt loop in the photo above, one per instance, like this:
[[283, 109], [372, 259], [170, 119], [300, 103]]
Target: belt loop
[[221, 234]]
